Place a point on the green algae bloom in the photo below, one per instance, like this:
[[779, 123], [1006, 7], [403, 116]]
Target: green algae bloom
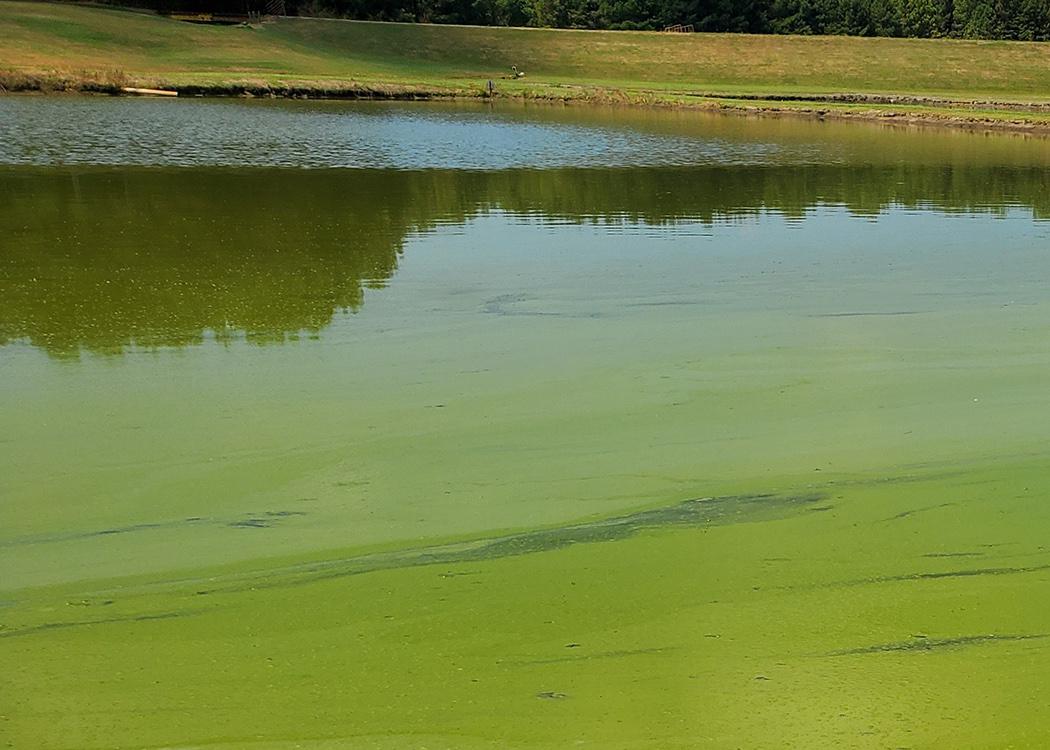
[[742, 452]]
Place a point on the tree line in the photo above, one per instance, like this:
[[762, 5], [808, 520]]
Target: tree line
[[965, 19], [971, 19]]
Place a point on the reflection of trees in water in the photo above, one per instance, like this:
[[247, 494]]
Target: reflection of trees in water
[[710, 194], [101, 260]]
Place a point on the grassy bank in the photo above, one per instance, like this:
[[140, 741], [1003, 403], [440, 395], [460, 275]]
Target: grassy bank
[[57, 47]]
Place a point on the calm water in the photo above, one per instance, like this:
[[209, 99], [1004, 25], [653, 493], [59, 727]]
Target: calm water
[[330, 425]]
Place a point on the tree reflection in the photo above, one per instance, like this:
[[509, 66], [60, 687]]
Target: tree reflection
[[103, 260]]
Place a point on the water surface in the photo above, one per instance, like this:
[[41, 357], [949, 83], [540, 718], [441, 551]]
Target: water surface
[[382, 426]]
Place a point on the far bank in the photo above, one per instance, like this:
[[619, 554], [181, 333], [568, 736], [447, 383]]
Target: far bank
[[986, 85]]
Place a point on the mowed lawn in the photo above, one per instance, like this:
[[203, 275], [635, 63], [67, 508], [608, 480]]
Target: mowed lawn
[[42, 37]]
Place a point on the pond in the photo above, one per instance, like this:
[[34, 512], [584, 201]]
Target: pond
[[383, 425]]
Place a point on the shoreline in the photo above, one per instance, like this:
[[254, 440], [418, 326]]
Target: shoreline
[[888, 109]]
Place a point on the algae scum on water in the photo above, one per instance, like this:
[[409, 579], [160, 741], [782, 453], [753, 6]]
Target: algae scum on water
[[519, 428]]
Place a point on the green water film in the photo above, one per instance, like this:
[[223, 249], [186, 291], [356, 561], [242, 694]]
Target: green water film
[[745, 451]]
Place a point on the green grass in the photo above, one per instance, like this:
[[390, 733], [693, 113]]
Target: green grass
[[43, 41]]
